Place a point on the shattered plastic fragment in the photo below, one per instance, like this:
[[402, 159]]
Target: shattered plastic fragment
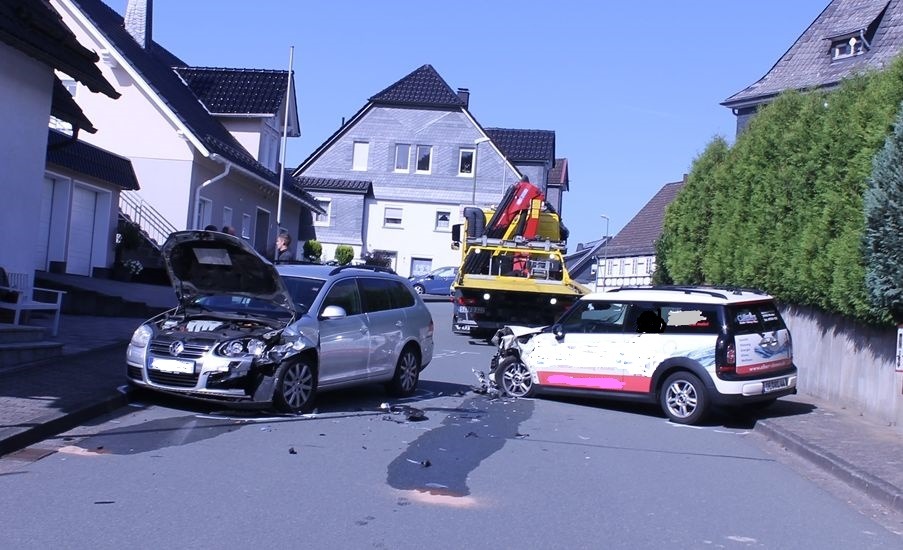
[[292, 451]]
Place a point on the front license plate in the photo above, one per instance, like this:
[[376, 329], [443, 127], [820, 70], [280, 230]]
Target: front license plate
[[173, 365], [773, 385]]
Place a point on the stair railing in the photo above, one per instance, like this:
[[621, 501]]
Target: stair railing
[[146, 216]]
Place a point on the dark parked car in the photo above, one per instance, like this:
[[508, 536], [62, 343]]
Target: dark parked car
[[437, 281], [246, 331]]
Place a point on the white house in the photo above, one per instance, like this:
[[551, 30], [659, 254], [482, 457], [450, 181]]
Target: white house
[[34, 43], [204, 142]]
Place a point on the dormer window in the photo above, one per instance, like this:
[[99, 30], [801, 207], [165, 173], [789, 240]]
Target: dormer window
[[847, 47]]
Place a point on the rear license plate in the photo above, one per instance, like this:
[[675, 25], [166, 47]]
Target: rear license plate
[[173, 365], [773, 385], [471, 309]]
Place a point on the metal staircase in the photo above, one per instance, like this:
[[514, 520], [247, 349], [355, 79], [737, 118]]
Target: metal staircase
[[146, 217]]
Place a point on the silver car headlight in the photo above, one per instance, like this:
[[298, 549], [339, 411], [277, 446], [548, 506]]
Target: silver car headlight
[[141, 337], [245, 346]]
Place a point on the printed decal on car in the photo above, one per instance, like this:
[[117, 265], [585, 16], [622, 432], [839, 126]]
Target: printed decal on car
[[758, 353]]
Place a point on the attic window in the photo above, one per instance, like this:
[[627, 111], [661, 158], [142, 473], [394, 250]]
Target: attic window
[[847, 47]]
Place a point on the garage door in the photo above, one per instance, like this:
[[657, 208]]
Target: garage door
[[81, 231]]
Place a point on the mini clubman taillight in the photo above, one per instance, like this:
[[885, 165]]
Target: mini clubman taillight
[[725, 356]]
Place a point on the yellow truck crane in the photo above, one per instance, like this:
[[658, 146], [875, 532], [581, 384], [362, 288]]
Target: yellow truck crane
[[512, 268]]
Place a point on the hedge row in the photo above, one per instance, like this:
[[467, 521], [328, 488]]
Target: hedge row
[[782, 209]]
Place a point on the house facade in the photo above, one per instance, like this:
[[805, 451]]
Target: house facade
[[204, 142], [33, 44], [847, 37], [628, 259], [395, 178]]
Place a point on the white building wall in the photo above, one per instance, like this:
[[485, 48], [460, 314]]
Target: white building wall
[[25, 96], [417, 237]]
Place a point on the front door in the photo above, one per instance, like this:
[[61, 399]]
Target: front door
[[590, 354], [344, 341]]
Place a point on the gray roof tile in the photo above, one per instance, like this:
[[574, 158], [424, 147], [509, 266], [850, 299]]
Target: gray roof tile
[[638, 237], [36, 29], [808, 62], [90, 160], [335, 185], [524, 145], [236, 91], [423, 87]]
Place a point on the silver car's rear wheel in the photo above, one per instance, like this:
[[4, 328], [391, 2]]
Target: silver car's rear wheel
[[296, 387], [513, 378]]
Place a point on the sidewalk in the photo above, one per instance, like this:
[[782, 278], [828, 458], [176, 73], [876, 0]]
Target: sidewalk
[[42, 400]]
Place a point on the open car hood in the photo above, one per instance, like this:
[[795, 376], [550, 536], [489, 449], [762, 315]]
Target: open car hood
[[203, 263]]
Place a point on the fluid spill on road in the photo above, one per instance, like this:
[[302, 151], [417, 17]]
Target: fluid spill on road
[[455, 449]]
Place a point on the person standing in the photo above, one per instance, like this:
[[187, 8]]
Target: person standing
[[283, 244]]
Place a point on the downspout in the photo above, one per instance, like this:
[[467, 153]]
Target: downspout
[[866, 42], [197, 193]]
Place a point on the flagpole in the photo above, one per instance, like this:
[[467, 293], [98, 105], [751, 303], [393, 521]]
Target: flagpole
[[288, 99]]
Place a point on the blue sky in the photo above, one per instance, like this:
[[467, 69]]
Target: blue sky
[[631, 89]]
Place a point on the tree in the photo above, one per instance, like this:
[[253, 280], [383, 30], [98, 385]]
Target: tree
[[344, 254], [883, 238], [313, 250]]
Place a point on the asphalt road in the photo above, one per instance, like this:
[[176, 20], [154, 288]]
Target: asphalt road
[[476, 472]]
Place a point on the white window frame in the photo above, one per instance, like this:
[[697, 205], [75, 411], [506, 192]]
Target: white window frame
[[245, 226], [447, 227], [473, 162], [400, 217], [407, 157], [429, 150], [205, 211], [360, 155], [227, 216], [326, 219]]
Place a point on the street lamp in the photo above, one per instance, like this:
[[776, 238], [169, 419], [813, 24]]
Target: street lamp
[[604, 255], [476, 143]]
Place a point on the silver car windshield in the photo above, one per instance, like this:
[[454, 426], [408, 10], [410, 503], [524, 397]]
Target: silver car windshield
[[303, 290]]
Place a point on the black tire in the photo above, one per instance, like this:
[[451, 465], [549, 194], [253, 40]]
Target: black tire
[[296, 387], [407, 374], [513, 378], [683, 398], [419, 289]]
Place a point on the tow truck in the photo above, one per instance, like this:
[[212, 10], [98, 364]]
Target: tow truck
[[512, 269]]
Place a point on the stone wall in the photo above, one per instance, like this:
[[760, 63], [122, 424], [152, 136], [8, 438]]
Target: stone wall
[[847, 363]]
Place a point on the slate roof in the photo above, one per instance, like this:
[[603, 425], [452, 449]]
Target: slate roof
[[808, 63], [524, 145], [36, 29], [558, 175], [581, 260], [421, 88], [362, 187], [154, 66], [87, 159], [236, 91], [638, 237], [64, 107]]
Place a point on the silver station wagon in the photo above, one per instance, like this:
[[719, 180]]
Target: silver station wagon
[[248, 332]]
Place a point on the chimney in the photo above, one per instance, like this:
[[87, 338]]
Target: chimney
[[139, 16], [464, 94]]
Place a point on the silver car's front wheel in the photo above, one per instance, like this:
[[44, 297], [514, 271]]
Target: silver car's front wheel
[[513, 378], [296, 387]]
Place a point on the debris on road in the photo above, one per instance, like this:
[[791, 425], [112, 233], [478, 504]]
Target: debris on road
[[292, 451]]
